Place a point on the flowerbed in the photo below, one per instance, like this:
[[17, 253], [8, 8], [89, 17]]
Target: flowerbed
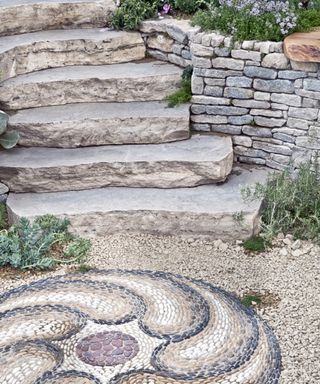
[[243, 19]]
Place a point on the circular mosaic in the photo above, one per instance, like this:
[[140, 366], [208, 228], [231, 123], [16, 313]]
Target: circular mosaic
[[132, 327]]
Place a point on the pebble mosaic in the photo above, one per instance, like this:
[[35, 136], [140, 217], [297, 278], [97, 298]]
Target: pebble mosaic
[[117, 326]]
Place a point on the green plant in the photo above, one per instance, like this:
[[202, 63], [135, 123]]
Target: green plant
[[132, 12], [249, 300], [42, 244], [259, 20], [255, 244], [184, 94], [83, 268], [7, 139], [291, 202], [3, 216], [189, 6]]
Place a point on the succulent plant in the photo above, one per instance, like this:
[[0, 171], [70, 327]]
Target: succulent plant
[[7, 139]]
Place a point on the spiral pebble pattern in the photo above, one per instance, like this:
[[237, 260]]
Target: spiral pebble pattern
[[133, 327]]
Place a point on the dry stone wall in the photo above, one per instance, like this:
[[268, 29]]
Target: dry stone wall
[[270, 105]]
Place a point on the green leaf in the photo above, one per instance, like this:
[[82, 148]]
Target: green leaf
[[4, 118], [9, 139]]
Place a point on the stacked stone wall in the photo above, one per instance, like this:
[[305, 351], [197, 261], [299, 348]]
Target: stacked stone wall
[[251, 91]]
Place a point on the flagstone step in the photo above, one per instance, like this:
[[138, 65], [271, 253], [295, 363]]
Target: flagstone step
[[200, 160], [31, 52], [214, 210], [89, 124], [20, 16], [143, 81]]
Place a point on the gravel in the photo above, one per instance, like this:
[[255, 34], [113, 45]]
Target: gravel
[[289, 272]]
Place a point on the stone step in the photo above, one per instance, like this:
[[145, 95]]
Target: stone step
[[31, 52], [217, 211], [143, 81], [89, 124], [20, 16], [200, 160]]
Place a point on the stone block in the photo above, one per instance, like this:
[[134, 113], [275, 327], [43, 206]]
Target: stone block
[[244, 141], [246, 55], [253, 130], [310, 103], [225, 110], [245, 151], [213, 91], [298, 123], [259, 72], [239, 81], [227, 129], [228, 63], [291, 75], [207, 100], [275, 60], [201, 62], [269, 122], [197, 85], [216, 40], [200, 127], [251, 104], [215, 82], [240, 120], [201, 50], [215, 73], [266, 113], [284, 98], [289, 131], [178, 60], [312, 84], [238, 93], [251, 160], [284, 137], [304, 67], [160, 42], [262, 96], [209, 119], [277, 86], [304, 113], [281, 149]]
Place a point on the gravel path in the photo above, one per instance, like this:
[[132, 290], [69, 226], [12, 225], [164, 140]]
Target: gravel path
[[289, 274]]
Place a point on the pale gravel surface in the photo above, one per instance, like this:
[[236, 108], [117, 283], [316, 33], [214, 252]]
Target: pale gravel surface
[[292, 274]]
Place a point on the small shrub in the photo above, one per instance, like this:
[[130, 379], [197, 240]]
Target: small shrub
[[132, 12], [83, 268], [189, 6], [184, 94], [249, 300], [255, 244], [3, 217], [291, 202], [42, 244]]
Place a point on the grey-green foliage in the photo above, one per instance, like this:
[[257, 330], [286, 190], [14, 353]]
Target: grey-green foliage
[[7, 139], [291, 202], [30, 245]]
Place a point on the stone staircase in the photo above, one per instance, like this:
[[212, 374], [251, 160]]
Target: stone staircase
[[75, 95]]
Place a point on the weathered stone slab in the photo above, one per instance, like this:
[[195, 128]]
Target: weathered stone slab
[[303, 47], [188, 163], [148, 81], [76, 125], [206, 210], [20, 16], [49, 49]]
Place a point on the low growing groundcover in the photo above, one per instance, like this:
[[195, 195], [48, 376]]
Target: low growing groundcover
[[242, 19]]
